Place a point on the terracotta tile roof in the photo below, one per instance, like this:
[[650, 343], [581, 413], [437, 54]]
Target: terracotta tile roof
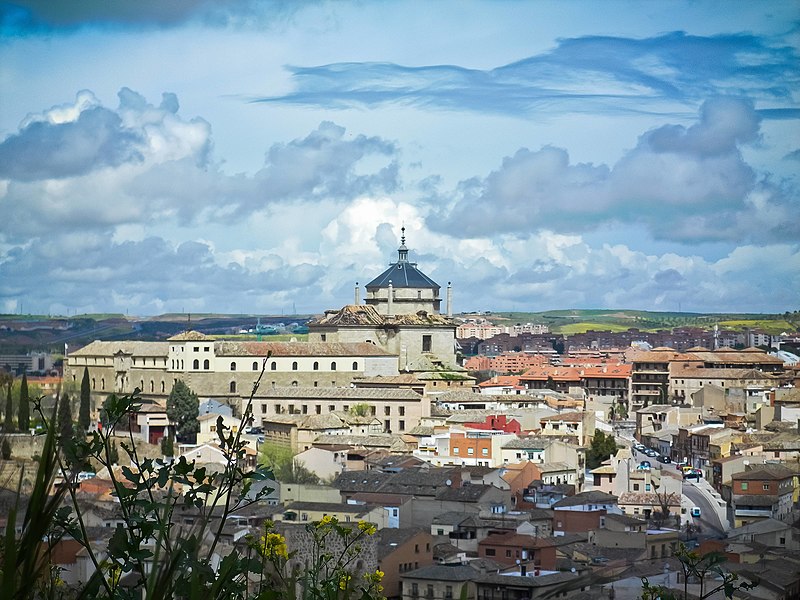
[[337, 393], [190, 336], [366, 315], [261, 349]]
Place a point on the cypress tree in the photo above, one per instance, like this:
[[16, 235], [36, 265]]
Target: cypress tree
[[65, 417], [183, 407], [83, 411], [9, 417], [24, 405]]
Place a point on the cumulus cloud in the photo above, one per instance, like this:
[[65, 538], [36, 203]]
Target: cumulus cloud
[[86, 165], [688, 184]]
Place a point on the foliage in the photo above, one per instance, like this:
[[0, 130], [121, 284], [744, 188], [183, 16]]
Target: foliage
[[8, 421], [285, 467], [24, 408], [5, 450], [113, 453], [65, 428], [84, 417], [152, 555], [601, 448], [699, 568], [362, 409], [183, 408], [328, 572], [167, 445]]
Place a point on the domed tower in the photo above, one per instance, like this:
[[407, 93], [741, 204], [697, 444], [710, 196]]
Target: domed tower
[[403, 289]]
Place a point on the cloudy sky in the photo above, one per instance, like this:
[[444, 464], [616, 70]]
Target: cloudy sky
[[261, 157]]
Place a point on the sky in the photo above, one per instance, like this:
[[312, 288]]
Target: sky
[[261, 157]]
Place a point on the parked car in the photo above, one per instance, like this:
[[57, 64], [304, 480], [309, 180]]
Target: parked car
[[644, 465], [695, 511], [651, 453], [663, 459], [693, 474]]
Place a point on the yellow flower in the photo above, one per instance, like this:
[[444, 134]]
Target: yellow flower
[[344, 579], [367, 528], [273, 546], [327, 520]]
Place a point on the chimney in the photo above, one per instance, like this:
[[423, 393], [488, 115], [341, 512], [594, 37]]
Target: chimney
[[358, 295], [391, 294], [449, 299], [523, 570]]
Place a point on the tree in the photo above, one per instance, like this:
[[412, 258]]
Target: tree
[[24, 412], [65, 428], [284, 466], [84, 416], [167, 447], [183, 407], [361, 409], [601, 448], [703, 569], [5, 451], [8, 381]]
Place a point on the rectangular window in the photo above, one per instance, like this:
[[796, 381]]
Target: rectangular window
[[387, 410], [470, 451], [402, 410], [401, 425], [744, 485], [455, 450], [765, 487], [490, 552], [426, 343], [485, 451]]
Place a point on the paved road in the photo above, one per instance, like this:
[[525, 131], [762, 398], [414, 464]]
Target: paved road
[[709, 519]]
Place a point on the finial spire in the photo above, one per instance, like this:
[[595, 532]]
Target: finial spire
[[402, 251]]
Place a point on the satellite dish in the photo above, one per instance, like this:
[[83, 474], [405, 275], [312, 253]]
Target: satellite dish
[[448, 483]]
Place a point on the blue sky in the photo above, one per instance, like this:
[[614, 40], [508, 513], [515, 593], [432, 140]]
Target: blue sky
[[262, 156]]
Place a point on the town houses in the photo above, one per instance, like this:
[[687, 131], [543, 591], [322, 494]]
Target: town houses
[[482, 463]]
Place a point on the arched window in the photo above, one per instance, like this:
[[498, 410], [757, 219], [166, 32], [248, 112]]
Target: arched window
[[94, 384], [233, 366], [255, 365], [294, 366], [294, 384], [333, 366], [233, 387], [355, 366], [152, 386], [316, 366], [141, 385], [196, 364], [273, 366], [206, 364], [102, 383], [163, 387]]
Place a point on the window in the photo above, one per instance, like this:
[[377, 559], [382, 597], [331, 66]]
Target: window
[[152, 386], [318, 407], [163, 387], [490, 552], [206, 364], [744, 485], [255, 365], [196, 349], [263, 409], [485, 451], [323, 337], [402, 410], [426, 343], [333, 366], [196, 364], [294, 366], [102, 383], [355, 365], [455, 450], [401, 425], [387, 410], [233, 366], [765, 487], [470, 451], [273, 366], [414, 590], [316, 365], [448, 592]]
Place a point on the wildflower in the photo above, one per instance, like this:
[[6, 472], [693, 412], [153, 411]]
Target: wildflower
[[326, 520], [344, 579], [273, 546], [367, 528]]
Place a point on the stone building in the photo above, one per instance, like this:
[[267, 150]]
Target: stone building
[[401, 315]]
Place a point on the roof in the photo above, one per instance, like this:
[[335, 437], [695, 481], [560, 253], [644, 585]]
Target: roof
[[402, 274], [98, 348], [571, 417], [466, 493], [764, 472], [190, 336], [366, 315], [754, 500], [332, 349], [444, 573], [389, 538], [590, 497], [356, 509], [337, 393]]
